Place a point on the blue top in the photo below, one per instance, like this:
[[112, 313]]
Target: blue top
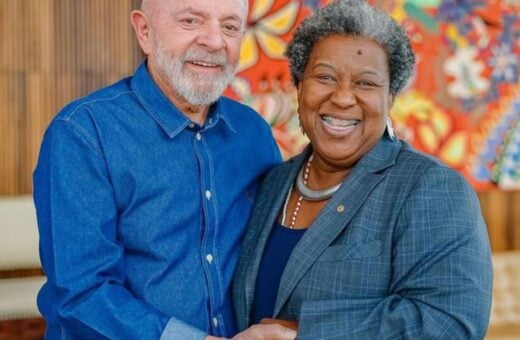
[[141, 213], [277, 251]]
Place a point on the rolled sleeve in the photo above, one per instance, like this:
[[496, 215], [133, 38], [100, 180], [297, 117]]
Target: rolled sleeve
[[178, 330]]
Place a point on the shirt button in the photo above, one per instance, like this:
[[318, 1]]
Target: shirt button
[[340, 208], [191, 125], [215, 321], [208, 194], [209, 258], [198, 136]]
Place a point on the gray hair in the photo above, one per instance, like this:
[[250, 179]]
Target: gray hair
[[357, 19]]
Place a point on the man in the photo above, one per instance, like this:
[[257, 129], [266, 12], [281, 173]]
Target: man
[[143, 188]]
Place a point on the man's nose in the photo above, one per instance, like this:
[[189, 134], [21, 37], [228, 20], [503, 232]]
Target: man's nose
[[211, 36]]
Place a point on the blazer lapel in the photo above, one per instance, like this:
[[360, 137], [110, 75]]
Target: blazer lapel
[[263, 223], [336, 215]]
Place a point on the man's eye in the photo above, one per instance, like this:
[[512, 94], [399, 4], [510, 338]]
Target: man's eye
[[231, 29], [190, 21]]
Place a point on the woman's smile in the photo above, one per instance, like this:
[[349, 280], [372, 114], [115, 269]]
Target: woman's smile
[[344, 98], [339, 127]]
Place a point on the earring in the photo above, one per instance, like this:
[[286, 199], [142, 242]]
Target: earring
[[301, 128], [389, 128]]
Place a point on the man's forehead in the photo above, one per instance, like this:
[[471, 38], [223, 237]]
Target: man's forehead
[[146, 4]]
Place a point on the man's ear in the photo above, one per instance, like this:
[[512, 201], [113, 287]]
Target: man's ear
[[390, 101], [142, 30]]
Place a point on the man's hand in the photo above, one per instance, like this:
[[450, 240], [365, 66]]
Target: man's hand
[[263, 332]]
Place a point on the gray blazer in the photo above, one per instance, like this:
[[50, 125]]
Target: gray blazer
[[400, 251]]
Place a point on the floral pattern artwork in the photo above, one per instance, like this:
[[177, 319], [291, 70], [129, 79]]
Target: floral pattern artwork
[[462, 105]]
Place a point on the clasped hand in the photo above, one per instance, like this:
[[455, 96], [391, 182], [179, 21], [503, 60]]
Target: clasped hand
[[268, 329]]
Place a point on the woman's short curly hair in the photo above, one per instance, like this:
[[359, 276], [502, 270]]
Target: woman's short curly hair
[[357, 19]]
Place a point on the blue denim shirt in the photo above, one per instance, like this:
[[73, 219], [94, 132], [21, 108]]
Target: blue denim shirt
[[141, 213]]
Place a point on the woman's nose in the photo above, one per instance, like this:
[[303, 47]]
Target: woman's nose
[[343, 95]]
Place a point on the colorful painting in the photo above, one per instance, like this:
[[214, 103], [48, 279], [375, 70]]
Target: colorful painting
[[462, 105]]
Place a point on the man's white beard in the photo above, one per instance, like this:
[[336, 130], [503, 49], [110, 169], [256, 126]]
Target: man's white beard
[[195, 88]]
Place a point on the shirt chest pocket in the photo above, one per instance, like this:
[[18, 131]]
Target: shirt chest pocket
[[348, 271], [355, 251]]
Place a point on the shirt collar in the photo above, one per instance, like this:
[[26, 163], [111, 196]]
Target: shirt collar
[[167, 115], [220, 111]]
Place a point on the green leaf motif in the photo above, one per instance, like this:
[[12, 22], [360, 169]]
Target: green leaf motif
[[416, 12], [425, 3]]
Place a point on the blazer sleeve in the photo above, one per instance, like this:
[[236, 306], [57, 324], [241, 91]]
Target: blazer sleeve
[[441, 273]]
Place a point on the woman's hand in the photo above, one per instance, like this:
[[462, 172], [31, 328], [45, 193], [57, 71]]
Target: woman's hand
[[269, 331], [286, 323]]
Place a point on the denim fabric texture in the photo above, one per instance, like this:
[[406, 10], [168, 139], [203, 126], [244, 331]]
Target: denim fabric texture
[[141, 213]]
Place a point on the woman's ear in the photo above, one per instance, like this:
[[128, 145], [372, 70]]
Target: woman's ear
[[142, 30]]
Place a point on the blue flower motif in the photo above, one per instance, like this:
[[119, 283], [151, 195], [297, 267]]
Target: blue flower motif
[[504, 63]]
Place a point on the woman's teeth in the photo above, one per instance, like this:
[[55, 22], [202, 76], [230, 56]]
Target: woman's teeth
[[336, 122]]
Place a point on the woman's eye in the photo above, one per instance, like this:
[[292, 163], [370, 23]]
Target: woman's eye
[[326, 77], [365, 83]]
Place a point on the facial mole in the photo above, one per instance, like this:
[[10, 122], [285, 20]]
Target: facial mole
[[359, 52]]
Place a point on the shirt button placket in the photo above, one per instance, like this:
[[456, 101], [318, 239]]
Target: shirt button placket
[[209, 256]]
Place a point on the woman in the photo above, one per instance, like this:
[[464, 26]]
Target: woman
[[361, 236]]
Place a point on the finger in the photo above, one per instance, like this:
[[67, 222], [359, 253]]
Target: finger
[[279, 332], [286, 323]]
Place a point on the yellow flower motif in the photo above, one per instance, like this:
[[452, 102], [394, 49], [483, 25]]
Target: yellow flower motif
[[413, 105], [453, 33], [398, 12], [421, 122], [455, 149], [266, 30]]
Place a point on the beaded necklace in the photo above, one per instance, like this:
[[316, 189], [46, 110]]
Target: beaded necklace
[[300, 197], [305, 193]]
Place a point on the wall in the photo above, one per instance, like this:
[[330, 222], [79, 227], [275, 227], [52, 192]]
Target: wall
[[52, 51], [501, 211]]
